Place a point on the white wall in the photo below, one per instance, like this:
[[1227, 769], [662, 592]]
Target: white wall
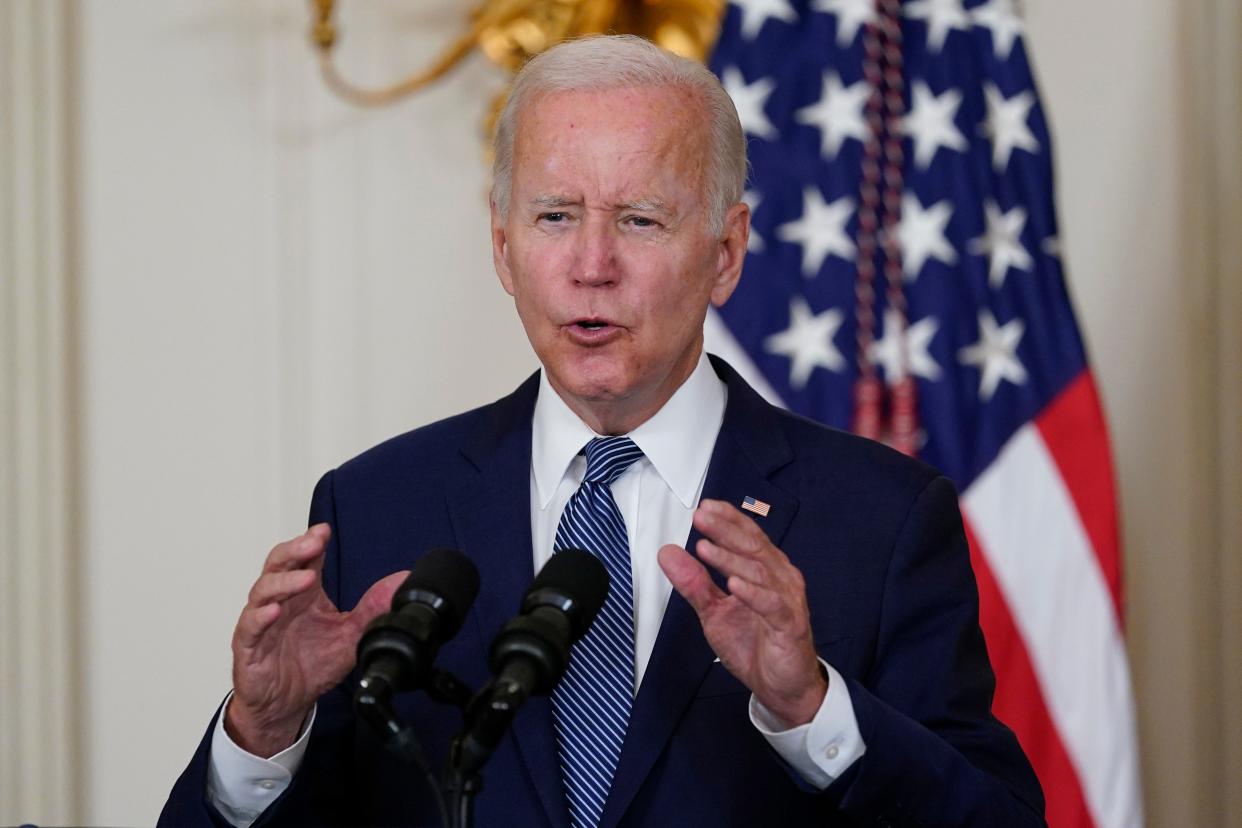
[[272, 281]]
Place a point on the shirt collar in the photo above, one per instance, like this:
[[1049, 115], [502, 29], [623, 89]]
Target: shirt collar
[[678, 440]]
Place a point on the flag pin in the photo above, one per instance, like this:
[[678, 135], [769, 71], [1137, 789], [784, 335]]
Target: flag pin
[[760, 508]]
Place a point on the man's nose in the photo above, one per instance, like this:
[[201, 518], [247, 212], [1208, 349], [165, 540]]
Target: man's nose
[[597, 262]]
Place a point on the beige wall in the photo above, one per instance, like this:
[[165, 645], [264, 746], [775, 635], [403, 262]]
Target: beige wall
[[269, 281], [1144, 106]]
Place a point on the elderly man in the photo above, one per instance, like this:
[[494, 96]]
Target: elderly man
[[816, 663]]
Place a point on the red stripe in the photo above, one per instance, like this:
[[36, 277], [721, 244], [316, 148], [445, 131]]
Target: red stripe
[[1074, 430], [1020, 703]]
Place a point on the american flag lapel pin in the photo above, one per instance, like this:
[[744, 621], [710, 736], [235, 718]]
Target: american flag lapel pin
[[760, 508]]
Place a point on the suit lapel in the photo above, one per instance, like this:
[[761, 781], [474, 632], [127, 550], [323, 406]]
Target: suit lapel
[[750, 447], [491, 518]]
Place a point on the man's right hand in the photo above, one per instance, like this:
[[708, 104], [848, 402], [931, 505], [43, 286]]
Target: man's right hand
[[291, 645]]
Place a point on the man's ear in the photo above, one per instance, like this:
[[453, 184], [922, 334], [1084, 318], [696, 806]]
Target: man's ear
[[731, 253], [500, 250]]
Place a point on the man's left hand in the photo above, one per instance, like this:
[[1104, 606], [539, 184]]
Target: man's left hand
[[761, 627]]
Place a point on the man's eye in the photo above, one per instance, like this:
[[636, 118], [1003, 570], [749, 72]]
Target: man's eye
[[553, 217], [642, 221]]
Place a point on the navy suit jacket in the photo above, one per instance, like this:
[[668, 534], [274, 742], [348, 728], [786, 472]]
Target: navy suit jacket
[[893, 603]]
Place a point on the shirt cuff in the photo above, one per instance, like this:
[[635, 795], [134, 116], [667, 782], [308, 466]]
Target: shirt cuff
[[241, 785], [822, 749]]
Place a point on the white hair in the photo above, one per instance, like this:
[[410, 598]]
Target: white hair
[[624, 62]]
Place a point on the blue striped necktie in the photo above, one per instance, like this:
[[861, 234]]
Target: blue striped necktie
[[592, 703]]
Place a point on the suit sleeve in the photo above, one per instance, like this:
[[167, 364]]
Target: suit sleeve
[[935, 755]]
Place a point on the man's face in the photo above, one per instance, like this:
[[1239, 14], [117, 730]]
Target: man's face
[[606, 248]]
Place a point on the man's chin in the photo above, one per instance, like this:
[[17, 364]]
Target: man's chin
[[593, 390]]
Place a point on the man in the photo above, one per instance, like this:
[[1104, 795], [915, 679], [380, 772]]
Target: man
[[815, 662]]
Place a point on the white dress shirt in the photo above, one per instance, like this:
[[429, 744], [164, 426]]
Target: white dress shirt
[[657, 496]]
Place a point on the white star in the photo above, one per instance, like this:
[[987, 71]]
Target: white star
[[921, 233], [750, 99], [994, 354], [930, 123], [1001, 242], [838, 113], [754, 242], [807, 341], [756, 12], [1006, 124], [887, 351], [941, 15], [850, 14], [1001, 16], [820, 231]]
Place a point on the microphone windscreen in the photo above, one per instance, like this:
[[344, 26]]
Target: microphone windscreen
[[577, 575], [446, 579]]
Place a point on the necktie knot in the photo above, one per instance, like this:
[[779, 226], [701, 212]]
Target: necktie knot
[[609, 457]]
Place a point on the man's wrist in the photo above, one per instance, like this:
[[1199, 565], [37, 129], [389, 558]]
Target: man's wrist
[[259, 737], [801, 709]]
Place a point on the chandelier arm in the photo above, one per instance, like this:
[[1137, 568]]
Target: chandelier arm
[[361, 96]]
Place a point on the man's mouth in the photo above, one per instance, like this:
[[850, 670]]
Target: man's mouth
[[593, 331]]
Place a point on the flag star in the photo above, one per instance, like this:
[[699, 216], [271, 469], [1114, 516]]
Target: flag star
[[754, 242], [757, 12], [1001, 17], [941, 15], [1001, 242], [750, 99], [930, 122], [921, 234], [807, 341], [820, 231], [838, 113], [995, 354], [915, 340], [1006, 124], [850, 14]]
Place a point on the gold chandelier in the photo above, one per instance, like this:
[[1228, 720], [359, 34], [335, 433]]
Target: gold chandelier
[[510, 32]]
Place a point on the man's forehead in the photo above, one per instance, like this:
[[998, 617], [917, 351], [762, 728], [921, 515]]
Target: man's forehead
[[657, 111], [632, 146]]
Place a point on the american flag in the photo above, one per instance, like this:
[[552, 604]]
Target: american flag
[[904, 278], [757, 506]]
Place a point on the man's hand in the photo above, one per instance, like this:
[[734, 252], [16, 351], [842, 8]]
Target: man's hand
[[760, 628], [291, 644]]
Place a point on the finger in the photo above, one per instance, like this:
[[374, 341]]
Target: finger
[[255, 621], [377, 600], [274, 587], [728, 527], [299, 552], [729, 563], [769, 604], [689, 577]]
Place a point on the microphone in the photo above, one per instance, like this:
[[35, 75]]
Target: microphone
[[398, 648], [530, 653]]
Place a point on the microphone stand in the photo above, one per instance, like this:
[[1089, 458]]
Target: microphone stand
[[371, 703], [488, 716]]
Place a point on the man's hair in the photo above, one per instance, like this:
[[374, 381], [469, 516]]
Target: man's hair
[[626, 62]]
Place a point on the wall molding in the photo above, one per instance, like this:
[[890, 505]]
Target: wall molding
[[1213, 211], [1224, 131], [40, 705]]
